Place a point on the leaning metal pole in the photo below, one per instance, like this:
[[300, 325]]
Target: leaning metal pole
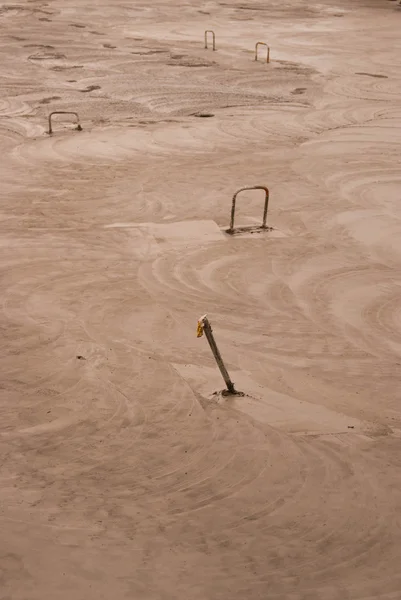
[[204, 326]]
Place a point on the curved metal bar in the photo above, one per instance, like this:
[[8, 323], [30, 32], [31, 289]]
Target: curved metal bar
[[256, 50], [214, 38], [63, 112], [234, 200]]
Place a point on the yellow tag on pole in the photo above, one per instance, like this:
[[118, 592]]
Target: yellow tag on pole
[[199, 331]]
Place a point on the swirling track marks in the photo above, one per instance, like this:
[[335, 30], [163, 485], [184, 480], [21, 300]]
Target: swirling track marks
[[14, 106], [367, 291], [108, 447], [335, 482], [364, 89], [164, 275]]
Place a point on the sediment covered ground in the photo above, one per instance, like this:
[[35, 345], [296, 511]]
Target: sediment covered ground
[[122, 475]]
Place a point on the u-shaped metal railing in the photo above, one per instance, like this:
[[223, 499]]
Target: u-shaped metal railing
[[268, 50], [63, 112], [213, 36], [234, 200]]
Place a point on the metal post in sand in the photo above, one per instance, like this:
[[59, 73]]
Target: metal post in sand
[[214, 38], [267, 49], [205, 327], [63, 112], [234, 201]]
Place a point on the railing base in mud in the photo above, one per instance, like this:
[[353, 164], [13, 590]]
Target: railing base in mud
[[63, 112], [231, 229], [213, 36], [268, 50]]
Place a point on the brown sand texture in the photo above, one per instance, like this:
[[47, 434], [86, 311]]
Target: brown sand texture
[[123, 474]]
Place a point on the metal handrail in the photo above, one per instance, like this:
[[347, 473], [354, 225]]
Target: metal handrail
[[234, 200], [63, 112], [268, 50], [214, 38]]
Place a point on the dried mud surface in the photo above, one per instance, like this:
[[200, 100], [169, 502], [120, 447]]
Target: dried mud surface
[[122, 475]]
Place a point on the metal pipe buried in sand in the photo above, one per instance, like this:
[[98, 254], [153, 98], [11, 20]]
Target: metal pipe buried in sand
[[63, 112], [268, 50], [234, 200], [213, 36]]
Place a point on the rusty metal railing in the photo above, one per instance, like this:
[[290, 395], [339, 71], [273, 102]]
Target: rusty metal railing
[[268, 50], [63, 112], [234, 200], [213, 36]]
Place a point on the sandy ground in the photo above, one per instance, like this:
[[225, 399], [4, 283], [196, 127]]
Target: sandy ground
[[122, 475]]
